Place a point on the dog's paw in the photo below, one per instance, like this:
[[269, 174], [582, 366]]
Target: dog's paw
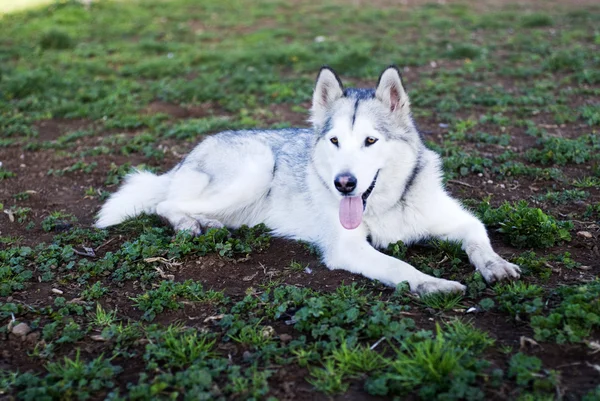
[[437, 285], [210, 223], [189, 224], [499, 269]]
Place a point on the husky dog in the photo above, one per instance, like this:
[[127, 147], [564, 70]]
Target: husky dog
[[359, 179]]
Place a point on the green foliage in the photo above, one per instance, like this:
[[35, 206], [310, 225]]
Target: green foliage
[[13, 272], [442, 301], [443, 367], [464, 51], [97, 290], [574, 318], [78, 166], [528, 373], [536, 20], [71, 379], [56, 39], [520, 299], [176, 347], [4, 173], [167, 295], [563, 151], [58, 221], [566, 196], [524, 226], [591, 114]]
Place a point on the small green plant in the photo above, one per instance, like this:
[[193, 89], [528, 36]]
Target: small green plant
[[528, 373], [58, 221], [525, 226], [176, 347], [433, 367], [4, 173], [78, 166], [566, 196], [536, 20], [20, 213], [563, 151], [167, 295], [56, 39], [69, 379], [591, 114], [574, 318], [256, 336], [298, 267], [96, 291], [520, 298], [21, 196], [328, 379], [103, 318], [442, 301]]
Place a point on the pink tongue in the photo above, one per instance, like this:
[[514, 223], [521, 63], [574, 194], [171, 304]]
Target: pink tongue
[[351, 210]]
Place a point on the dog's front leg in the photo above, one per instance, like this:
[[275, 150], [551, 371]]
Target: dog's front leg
[[350, 251], [448, 220]]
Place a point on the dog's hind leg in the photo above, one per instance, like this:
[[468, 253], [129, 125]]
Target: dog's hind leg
[[186, 185], [202, 199]]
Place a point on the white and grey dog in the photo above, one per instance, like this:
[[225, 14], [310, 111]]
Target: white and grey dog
[[361, 171]]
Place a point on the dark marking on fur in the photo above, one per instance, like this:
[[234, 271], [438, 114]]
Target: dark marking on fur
[[413, 175], [354, 113], [326, 126], [359, 93]]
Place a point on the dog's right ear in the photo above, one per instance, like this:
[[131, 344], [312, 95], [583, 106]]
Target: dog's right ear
[[327, 90]]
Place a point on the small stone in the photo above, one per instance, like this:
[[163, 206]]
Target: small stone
[[268, 332], [9, 299], [285, 338], [57, 291], [247, 355], [21, 329], [584, 234], [98, 337]]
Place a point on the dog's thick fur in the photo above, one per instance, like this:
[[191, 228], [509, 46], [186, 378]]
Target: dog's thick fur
[[309, 184]]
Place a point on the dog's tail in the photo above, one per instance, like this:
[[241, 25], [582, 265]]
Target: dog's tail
[[140, 193]]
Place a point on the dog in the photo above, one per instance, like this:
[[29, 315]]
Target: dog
[[359, 179]]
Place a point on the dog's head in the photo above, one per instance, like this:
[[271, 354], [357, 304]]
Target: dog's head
[[359, 134]]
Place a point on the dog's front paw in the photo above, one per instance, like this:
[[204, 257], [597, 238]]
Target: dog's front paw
[[436, 285], [499, 269]]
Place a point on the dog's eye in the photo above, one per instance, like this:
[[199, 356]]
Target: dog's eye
[[334, 140], [370, 141]]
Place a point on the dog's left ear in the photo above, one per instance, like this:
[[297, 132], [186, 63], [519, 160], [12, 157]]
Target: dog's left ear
[[392, 94], [327, 90]]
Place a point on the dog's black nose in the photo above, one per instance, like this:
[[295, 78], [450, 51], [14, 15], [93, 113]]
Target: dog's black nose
[[345, 183]]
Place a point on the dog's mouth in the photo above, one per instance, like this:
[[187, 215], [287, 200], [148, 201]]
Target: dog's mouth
[[352, 207], [366, 194]]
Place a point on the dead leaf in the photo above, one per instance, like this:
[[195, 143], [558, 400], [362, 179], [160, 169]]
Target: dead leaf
[[526, 340]]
